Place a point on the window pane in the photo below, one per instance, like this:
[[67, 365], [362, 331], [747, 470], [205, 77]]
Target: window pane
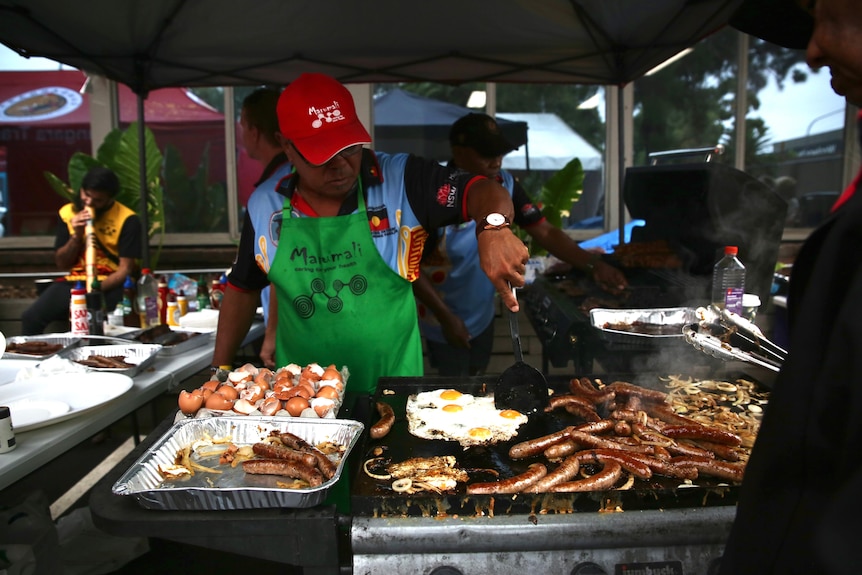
[[190, 135]]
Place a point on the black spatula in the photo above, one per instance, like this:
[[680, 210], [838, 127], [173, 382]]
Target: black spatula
[[521, 387]]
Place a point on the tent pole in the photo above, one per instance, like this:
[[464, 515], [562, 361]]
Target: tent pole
[[621, 168], [142, 164]]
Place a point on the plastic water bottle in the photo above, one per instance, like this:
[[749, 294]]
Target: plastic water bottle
[[148, 299], [728, 281]]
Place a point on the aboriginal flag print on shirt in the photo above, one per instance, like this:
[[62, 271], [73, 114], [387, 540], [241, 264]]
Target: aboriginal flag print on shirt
[[378, 219]]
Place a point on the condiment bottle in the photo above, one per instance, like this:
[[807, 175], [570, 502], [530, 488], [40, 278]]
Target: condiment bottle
[[96, 309], [148, 299], [163, 300], [203, 297], [130, 303], [182, 303], [216, 294], [7, 434], [173, 311], [80, 325]]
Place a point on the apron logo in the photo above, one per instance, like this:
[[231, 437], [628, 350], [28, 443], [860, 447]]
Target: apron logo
[[304, 304]]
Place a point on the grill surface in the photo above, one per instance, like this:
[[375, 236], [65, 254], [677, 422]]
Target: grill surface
[[375, 498]]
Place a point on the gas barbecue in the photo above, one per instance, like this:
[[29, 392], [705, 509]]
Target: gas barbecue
[[693, 209], [662, 528]]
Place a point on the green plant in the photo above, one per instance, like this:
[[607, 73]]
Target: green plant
[[557, 195], [120, 153], [192, 205]]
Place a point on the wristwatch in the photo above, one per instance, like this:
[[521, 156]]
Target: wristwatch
[[493, 221]]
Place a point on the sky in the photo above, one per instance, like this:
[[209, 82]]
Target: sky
[[796, 111]]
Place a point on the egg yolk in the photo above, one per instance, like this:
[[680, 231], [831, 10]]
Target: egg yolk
[[479, 433], [450, 395], [452, 408], [510, 414]]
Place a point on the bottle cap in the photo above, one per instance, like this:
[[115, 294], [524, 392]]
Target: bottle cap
[[731, 250], [145, 271]]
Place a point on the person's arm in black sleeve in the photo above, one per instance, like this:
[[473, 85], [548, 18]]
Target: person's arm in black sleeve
[[241, 298], [130, 251]]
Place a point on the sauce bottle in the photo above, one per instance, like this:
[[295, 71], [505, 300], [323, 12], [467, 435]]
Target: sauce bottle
[[182, 303], [80, 325], [131, 318], [216, 294], [163, 300]]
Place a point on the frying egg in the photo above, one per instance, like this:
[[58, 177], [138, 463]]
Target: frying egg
[[441, 397], [454, 416]]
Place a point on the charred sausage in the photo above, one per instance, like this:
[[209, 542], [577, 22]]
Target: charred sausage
[[284, 467], [384, 424], [533, 447], [514, 484], [604, 479], [716, 468], [326, 466], [564, 471], [633, 465], [274, 451], [698, 431]]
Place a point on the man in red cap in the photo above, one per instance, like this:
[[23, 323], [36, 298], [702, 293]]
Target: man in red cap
[[456, 310], [340, 239], [802, 491]]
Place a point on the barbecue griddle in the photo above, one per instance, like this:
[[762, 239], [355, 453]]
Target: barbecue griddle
[[375, 498]]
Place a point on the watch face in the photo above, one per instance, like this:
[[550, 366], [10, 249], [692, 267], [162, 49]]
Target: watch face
[[495, 219]]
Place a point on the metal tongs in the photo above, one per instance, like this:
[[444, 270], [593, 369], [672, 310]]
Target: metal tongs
[[737, 331]]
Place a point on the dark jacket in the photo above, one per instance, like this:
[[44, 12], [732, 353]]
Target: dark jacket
[[802, 490]]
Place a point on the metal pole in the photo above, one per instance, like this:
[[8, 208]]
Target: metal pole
[[142, 165], [621, 132]]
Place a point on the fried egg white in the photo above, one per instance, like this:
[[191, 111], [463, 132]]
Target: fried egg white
[[467, 419]]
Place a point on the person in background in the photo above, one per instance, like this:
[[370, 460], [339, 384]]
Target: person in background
[[802, 491], [456, 300], [340, 240], [118, 238], [259, 123]]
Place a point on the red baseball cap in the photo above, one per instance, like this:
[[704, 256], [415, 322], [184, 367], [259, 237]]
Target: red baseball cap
[[316, 113]]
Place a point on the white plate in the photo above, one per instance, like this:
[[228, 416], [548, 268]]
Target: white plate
[[42, 397], [27, 412]]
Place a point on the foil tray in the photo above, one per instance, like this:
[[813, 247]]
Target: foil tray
[[232, 489], [141, 355], [66, 341], [651, 316], [197, 338]]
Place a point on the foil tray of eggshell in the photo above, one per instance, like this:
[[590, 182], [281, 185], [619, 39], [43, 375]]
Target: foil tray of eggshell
[[139, 356], [231, 488]]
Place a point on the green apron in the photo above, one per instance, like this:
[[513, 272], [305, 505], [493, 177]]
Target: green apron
[[339, 303]]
